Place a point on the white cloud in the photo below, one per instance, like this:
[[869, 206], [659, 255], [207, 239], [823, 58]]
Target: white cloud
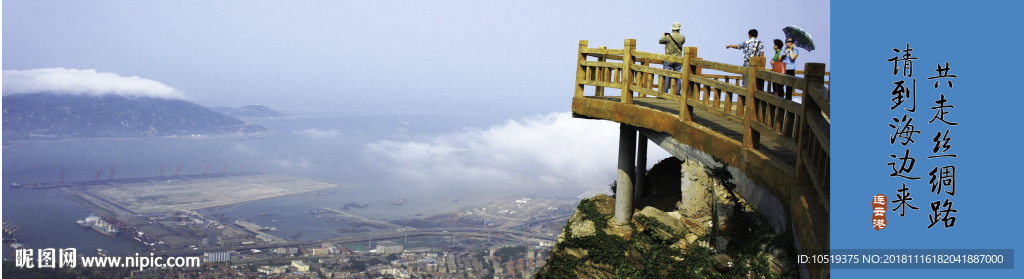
[[84, 82], [317, 133], [536, 154]]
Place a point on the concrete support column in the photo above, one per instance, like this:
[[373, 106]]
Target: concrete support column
[[624, 177], [641, 165]]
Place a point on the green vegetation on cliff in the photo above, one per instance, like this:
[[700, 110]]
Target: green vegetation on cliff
[[657, 244], [644, 254]]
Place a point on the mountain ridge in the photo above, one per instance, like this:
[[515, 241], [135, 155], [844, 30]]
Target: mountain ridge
[[248, 111], [50, 116]]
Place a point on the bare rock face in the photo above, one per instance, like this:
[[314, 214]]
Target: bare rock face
[[696, 191], [582, 228], [576, 252], [671, 226], [605, 204], [591, 270], [581, 225]]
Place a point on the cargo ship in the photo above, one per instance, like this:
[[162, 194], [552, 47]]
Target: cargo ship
[[98, 224], [10, 239]]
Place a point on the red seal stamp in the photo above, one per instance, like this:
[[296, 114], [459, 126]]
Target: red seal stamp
[[878, 208]]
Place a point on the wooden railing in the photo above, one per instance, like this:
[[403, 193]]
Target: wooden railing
[[735, 79], [814, 141], [764, 115], [800, 127]]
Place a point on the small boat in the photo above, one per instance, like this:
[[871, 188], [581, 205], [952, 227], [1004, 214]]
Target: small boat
[[356, 205]]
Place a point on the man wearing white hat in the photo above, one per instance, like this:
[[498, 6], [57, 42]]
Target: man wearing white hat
[[673, 47]]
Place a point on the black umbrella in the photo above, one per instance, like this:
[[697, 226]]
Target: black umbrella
[[800, 37]]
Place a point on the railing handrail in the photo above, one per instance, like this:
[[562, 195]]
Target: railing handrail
[[654, 58]]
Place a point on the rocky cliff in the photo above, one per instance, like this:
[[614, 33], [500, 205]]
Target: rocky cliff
[[713, 235]]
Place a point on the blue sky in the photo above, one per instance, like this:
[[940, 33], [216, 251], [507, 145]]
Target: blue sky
[[505, 57]]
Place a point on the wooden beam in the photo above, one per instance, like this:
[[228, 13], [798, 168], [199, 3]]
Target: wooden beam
[[780, 78], [771, 134], [718, 84], [614, 65], [601, 51], [602, 83], [721, 67], [645, 91], [821, 130], [817, 93], [777, 101]]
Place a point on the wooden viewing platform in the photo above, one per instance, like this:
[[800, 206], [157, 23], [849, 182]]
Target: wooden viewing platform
[[781, 145]]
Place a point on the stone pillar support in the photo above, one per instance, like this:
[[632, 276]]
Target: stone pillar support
[[626, 171]]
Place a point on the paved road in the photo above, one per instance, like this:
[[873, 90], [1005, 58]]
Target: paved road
[[462, 232]]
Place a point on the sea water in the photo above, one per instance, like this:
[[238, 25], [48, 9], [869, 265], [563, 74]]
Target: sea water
[[329, 149]]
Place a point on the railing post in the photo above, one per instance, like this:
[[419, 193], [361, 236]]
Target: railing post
[[814, 73], [627, 71], [686, 110], [599, 90], [646, 80], [579, 68], [751, 138]]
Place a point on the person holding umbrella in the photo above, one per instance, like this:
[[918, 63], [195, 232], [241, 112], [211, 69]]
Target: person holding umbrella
[[788, 55], [795, 38]]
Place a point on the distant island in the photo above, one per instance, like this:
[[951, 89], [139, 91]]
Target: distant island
[[45, 116], [249, 111]]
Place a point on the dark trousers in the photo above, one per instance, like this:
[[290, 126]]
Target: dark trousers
[[789, 89]]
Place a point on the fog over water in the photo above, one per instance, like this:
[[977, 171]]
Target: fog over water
[[427, 159]]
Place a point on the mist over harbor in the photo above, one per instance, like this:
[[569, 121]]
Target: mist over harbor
[[421, 158], [530, 155]]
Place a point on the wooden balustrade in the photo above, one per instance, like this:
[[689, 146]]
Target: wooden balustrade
[[814, 157], [765, 114], [802, 127]]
